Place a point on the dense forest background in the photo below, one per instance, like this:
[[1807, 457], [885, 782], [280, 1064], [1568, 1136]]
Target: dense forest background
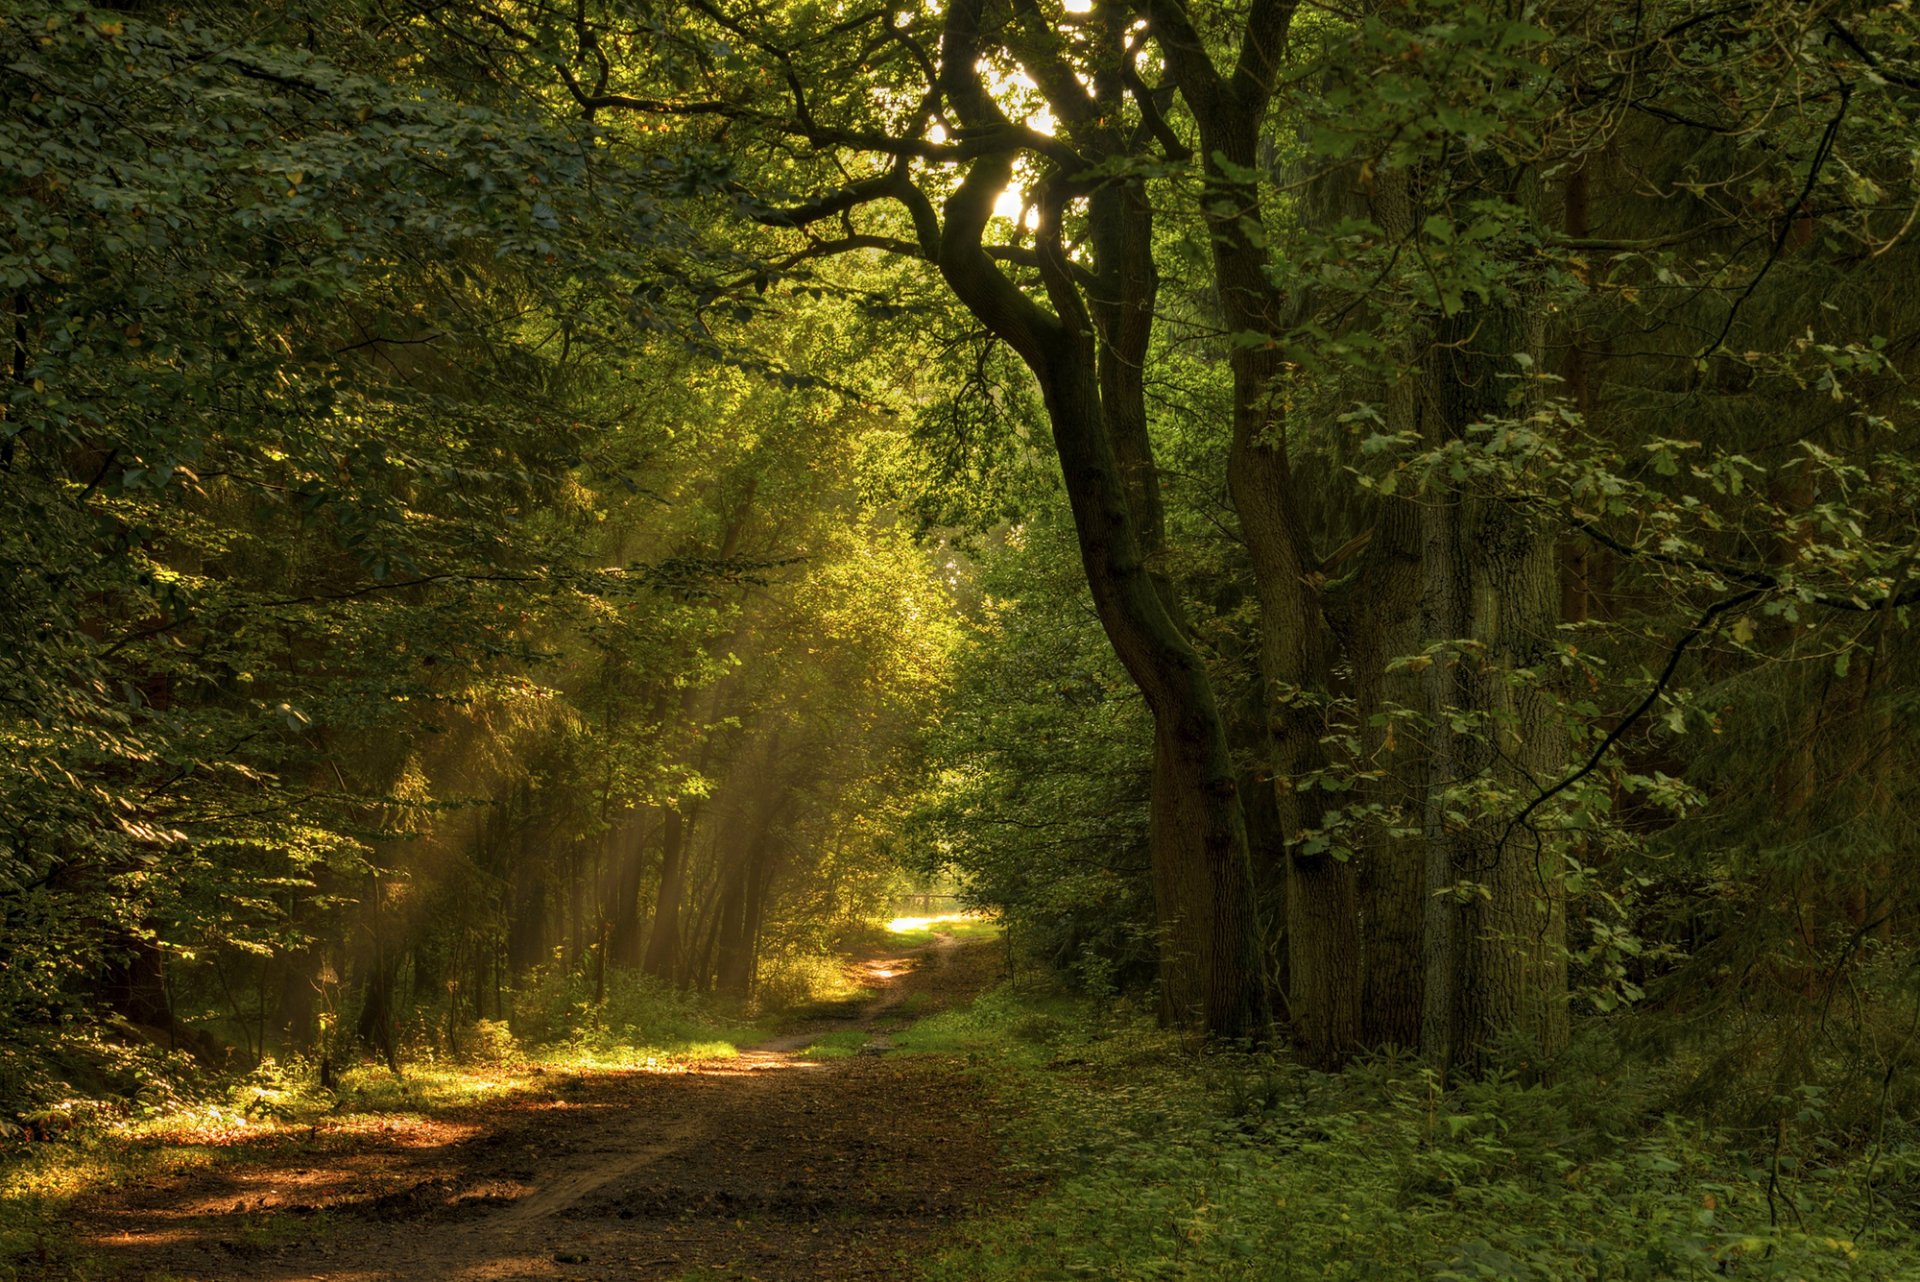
[[1380, 531]]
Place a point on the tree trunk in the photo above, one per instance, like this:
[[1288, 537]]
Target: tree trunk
[[1496, 912], [629, 865], [743, 885], [1210, 955], [1381, 623], [663, 943], [1210, 958], [1324, 956]]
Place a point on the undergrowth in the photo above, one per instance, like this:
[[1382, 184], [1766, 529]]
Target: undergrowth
[[1162, 1163]]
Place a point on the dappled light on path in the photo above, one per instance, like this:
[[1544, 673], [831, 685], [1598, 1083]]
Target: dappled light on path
[[768, 1163]]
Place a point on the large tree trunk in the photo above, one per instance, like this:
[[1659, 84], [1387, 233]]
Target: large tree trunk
[[1380, 622], [1210, 955], [1322, 924], [1496, 912], [1211, 976], [1324, 948]]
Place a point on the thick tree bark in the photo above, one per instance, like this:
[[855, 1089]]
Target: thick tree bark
[[1379, 620], [1496, 915], [1324, 954]]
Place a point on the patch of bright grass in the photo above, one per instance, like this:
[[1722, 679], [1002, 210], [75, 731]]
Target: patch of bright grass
[[1163, 1162], [1007, 1024], [915, 931], [841, 1045]]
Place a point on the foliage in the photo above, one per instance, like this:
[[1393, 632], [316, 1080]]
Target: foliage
[[393, 541], [1247, 1166], [520, 518], [1039, 803]]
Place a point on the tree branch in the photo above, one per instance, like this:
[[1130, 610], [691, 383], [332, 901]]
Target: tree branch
[[1759, 579], [1700, 627]]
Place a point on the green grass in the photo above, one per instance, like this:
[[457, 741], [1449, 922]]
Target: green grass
[[918, 931], [1164, 1163], [841, 1045]]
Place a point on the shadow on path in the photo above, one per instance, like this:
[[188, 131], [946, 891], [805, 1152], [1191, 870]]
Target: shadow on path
[[767, 1165]]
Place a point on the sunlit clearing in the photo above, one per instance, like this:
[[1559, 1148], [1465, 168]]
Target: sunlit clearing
[[907, 925]]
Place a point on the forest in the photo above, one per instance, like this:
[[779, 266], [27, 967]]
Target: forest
[[959, 639]]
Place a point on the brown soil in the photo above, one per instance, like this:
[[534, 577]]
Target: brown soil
[[766, 1166]]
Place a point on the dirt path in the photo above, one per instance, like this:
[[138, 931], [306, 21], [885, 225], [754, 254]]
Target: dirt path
[[765, 1166]]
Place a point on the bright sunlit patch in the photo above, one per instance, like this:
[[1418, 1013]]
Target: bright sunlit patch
[[907, 925]]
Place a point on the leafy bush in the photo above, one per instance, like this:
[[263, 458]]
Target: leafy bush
[[638, 1017], [793, 979], [488, 1041]]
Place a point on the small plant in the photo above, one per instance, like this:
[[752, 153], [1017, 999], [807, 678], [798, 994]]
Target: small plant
[[488, 1041]]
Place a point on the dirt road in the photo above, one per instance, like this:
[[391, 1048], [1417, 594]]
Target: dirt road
[[769, 1165]]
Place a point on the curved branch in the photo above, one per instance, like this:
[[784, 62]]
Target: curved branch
[[1699, 629]]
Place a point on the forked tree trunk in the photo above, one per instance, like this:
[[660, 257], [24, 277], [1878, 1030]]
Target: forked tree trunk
[[1210, 958]]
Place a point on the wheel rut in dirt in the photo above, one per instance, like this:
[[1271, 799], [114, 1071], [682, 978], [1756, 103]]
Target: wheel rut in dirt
[[767, 1165]]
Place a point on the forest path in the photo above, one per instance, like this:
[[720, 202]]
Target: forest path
[[768, 1165]]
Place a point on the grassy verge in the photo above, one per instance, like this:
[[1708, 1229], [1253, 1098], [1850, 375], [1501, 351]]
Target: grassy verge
[[841, 1045], [1162, 1163]]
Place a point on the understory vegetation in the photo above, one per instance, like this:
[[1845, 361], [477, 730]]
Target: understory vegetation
[[1156, 1163]]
